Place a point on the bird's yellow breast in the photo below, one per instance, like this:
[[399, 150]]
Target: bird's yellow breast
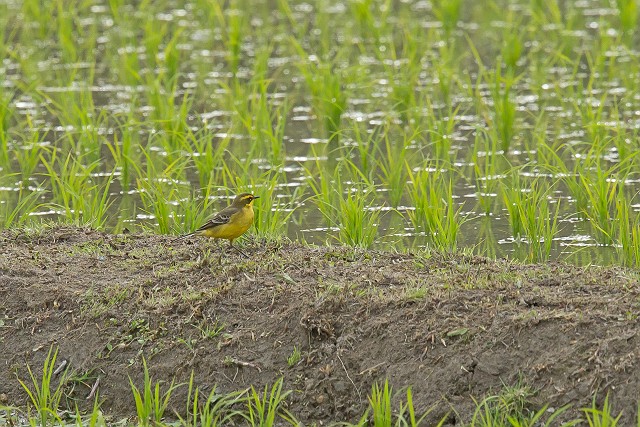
[[238, 223]]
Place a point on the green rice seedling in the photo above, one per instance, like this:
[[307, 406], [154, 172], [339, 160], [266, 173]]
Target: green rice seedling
[[266, 410], [591, 111], [530, 215], [216, 410], [171, 115], [75, 109], [260, 69], [6, 16], [358, 218], [380, 403], [403, 73], [366, 144], [189, 213], [45, 397], [363, 16], [159, 190], [601, 417], [347, 204], [624, 140], [628, 232], [97, 203], [445, 66], [208, 154], [548, 152], [264, 122], [546, 12], [75, 194], [571, 178], [328, 98], [233, 23], [40, 13], [29, 154], [153, 36], [512, 45], [435, 212], [66, 31], [592, 185], [514, 197], [628, 13], [488, 164], [88, 141], [539, 221], [372, 20], [392, 163], [157, 196], [14, 211], [448, 13], [324, 191], [6, 116], [151, 403], [171, 57], [601, 191], [487, 242], [504, 109], [124, 149], [273, 212], [115, 7], [440, 129], [299, 27], [128, 63], [236, 24], [380, 412], [408, 408]]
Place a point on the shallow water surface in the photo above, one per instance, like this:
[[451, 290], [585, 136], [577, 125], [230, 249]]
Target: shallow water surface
[[179, 104]]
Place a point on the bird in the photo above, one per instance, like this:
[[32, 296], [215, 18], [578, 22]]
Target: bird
[[230, 223]]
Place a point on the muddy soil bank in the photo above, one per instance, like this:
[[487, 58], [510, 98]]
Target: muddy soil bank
[[452, 327]]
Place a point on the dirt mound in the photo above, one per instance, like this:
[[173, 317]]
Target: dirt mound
[[452, 327]]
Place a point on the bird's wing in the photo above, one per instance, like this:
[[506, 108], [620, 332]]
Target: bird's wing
[[221, 218]]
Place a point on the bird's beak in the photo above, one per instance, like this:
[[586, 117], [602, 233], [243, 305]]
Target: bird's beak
[[256, 197]]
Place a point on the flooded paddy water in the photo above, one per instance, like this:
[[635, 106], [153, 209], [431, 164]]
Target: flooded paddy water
[[502, 128]]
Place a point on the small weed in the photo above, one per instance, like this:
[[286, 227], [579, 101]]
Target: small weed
[[294, 357], [210, 331]]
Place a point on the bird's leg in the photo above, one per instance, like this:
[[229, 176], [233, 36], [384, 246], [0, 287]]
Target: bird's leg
[[220, 250], [237, 249]]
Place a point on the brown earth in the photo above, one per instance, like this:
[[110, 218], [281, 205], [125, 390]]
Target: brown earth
[[453, 327]]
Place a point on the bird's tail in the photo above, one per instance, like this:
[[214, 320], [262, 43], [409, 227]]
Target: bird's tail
[[184, 236]]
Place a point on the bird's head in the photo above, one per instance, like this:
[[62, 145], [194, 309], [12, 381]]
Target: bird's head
[[244, 199]]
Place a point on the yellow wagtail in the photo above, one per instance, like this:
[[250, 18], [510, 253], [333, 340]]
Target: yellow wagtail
[[231, 222]]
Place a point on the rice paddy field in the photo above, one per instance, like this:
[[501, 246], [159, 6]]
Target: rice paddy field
[[500, 129]]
